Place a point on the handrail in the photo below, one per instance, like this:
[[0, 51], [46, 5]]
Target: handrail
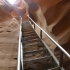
[[59, 46], [19, 47]]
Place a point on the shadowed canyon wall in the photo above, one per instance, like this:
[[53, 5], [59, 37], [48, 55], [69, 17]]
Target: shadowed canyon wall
[[52, 15]]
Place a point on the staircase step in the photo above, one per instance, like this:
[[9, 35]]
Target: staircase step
[[27, 30], [30, 48], [27, 39], [34, 51], [56, 68], [37, 59], [35, 54], [30, 43], [37, 40], [35, 44], [29, 34], [31, 38]]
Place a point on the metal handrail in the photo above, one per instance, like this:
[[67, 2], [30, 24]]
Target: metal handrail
[[19, 64], [58, 45]]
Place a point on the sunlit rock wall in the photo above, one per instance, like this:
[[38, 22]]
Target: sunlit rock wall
[[9, 31]]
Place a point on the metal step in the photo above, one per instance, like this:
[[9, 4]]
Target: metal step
[[37, 40], [35, 51], [27, 39], [27, 30], [34, 47], [37, 46], [33, 44], [56, 68], [42, 58], [29, 34]]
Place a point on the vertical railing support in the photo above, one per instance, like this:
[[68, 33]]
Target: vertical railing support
[[28, 18], [41, 34], [61, 59], [34, 26]]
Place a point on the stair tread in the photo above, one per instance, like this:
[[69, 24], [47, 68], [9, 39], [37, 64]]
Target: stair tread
[[30, 38], [56, 68], [35, 44], [40, 58], [33, 47], [34, 51], [27, 31], [30, 34]]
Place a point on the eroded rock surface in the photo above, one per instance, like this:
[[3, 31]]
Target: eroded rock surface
[[9, 31]]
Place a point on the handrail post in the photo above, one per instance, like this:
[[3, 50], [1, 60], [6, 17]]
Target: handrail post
[[34, 26], [41, 34], [28, 18], [61, 59]]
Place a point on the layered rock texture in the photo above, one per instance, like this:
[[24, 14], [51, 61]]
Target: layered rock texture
[[52, 15]]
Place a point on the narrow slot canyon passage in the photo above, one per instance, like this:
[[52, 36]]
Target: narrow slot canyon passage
[[53, 16]]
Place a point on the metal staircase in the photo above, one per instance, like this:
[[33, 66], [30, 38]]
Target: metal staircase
[[33, 52]]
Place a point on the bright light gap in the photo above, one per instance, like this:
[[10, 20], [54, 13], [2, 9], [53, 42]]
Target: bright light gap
[[11, 1]]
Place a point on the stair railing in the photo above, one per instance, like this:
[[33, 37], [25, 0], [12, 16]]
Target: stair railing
[[20, 52], [63, 51]]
